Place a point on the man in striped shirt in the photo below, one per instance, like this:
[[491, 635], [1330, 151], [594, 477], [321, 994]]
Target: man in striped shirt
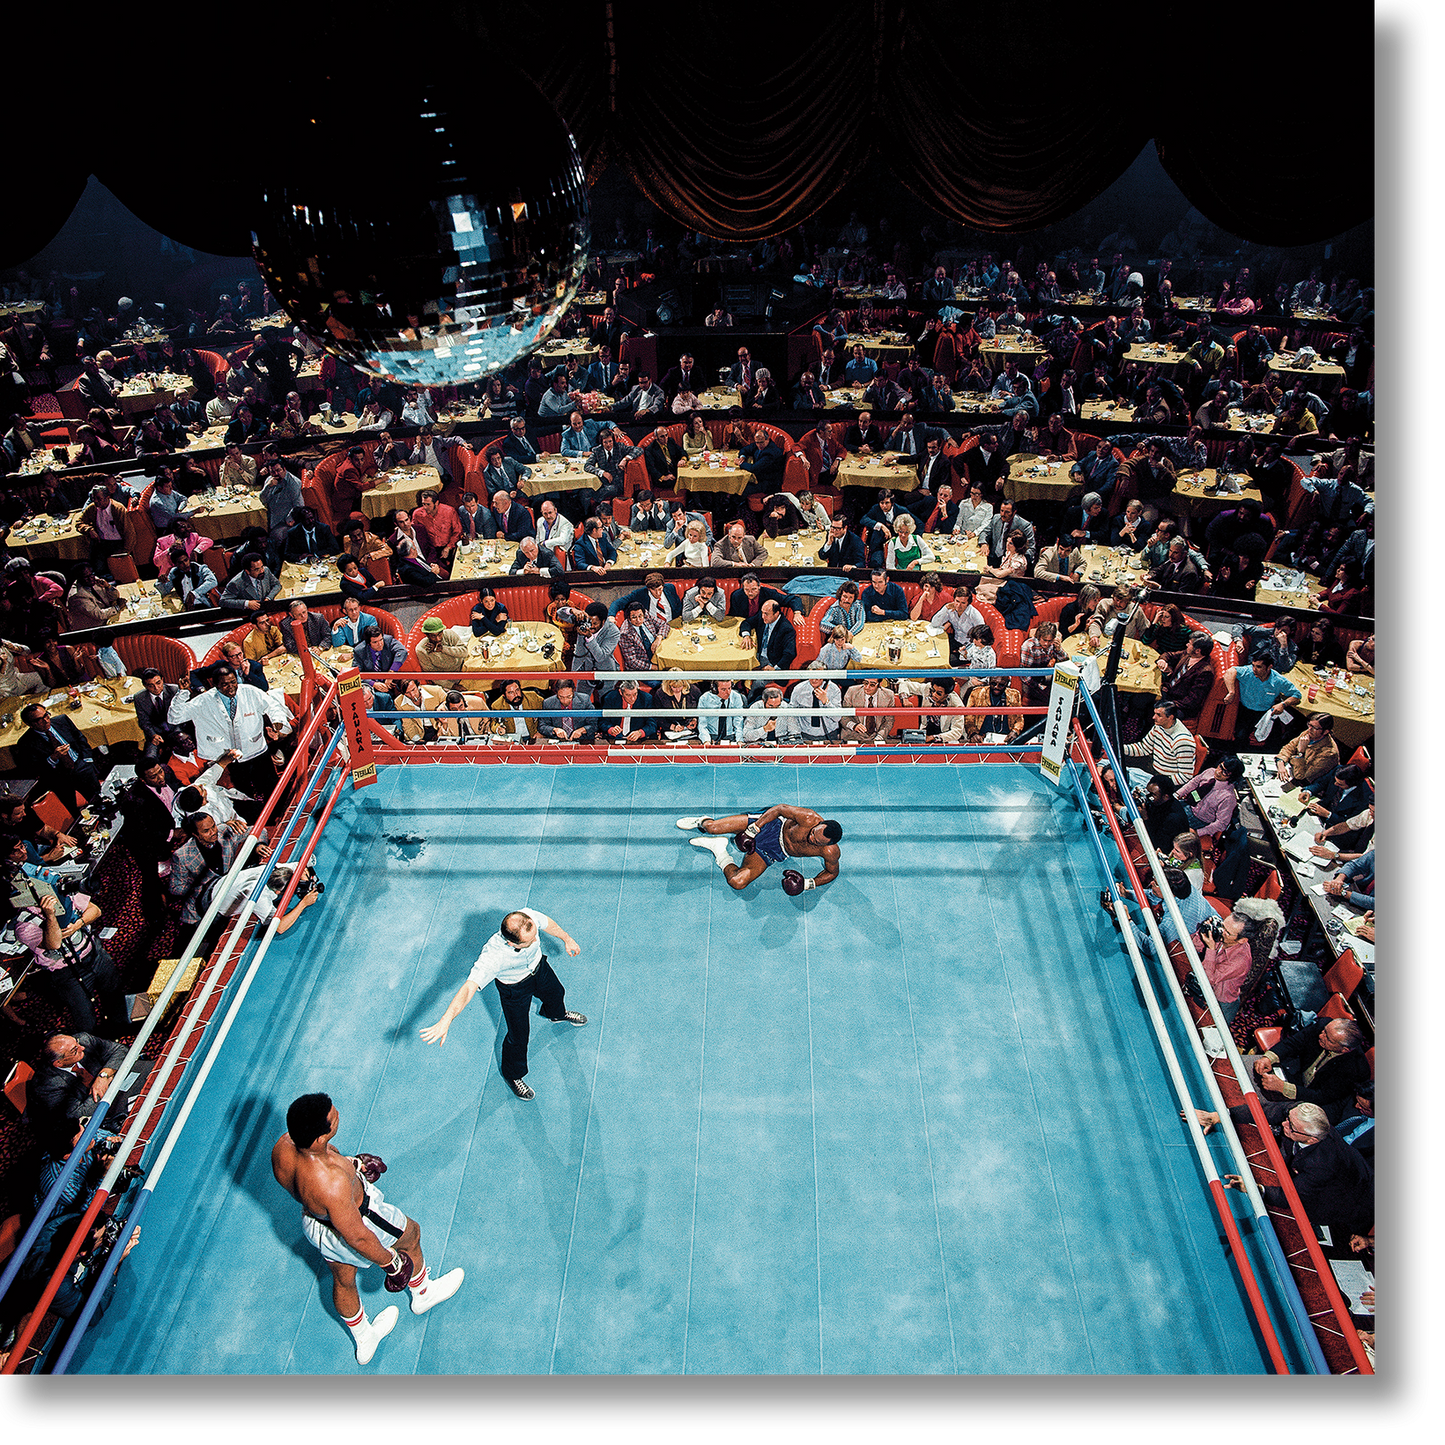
[[1169, 746]]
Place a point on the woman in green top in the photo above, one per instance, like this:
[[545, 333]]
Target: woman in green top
[[907, 551]]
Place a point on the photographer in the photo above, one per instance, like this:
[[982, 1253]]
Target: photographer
[[71, 965], [308, 891], [1226, 949]]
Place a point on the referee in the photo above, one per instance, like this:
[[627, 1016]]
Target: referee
[[513, 958]]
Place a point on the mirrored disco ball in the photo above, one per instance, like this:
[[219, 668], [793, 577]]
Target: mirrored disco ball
[[435, 241]]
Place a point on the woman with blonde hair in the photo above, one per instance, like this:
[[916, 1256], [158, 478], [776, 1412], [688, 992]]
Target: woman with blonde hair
[[907, 551], [692, 551], [677, 698]]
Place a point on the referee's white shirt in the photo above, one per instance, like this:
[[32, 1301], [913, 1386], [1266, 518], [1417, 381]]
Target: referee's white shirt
[[505, 961]]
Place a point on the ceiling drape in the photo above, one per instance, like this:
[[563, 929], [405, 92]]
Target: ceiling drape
[[741, 120]]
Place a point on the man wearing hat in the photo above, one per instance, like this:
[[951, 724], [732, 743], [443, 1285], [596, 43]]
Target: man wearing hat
[[441, 648]]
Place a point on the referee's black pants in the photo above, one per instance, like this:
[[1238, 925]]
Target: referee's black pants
[[541, 984]]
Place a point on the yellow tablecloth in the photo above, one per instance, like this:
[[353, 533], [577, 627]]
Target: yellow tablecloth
[[1027, 351], [285, 672], [1354, 713], [1106, 567], [483, 559], [228, 515], [956, 554], [213, 438], [1321, 376], [720, 398], [1254, 421], [144, 601], [1031, 479], [799, 550], [1137, 672], [1308, 596], [42, 536], [577, 346], [859, 471], [915, 646], [552, 472], [509, 652], [301, 579], [727, 476], [105, 715], [1153, 353], [308, 375], [1106, 411], [44, 459], [686, 647], [978, 401], [1194, 303], [1193, 497], [883, 347], [22, 310], [137, 396], [399, 489], [845, 398]]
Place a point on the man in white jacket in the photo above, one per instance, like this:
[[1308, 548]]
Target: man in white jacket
[[234, 716]]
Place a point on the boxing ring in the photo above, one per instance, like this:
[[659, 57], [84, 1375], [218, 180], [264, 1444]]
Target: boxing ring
[[924, 1120]]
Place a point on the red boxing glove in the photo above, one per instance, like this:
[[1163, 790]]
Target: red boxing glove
[[398, 1272], [369, 1166]]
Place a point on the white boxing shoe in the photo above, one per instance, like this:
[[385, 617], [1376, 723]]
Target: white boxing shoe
[[690, 825], [435, 1291], [376, 1331], [718, 847]]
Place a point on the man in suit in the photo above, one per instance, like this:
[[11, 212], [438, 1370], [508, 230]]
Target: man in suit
[[910, 436], [608, 332], [77, 1070], [741, 375], [750, 594], [865, 436], [637, 724], [350, 481], [553, 530], [777, 640], [1096, 471], [986, 466], [765, 459], [472, 518], [823, 454], [593, 549], [314, 627], [661, 456], [518, 445], [658, 599], [508, 519], [573, 723], [308, 537], [879, 525], [53, 750], [1007, 520], [534, 561], [152, 711], [503, 473], [935, 470], [842, 549], [147, 804], [349, 629], [1315, 1065], [607, 463], [579, 436], [684, 377]]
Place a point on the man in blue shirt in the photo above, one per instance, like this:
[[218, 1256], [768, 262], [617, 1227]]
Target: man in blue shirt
[[883, 601], [579, 437], [861, 369], [1260, 689]]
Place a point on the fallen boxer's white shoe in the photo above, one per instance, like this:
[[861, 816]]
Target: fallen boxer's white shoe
[[690, 825], [718, 847]]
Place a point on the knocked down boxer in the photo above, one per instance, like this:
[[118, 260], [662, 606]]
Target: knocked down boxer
[[772, 837], [348, 1219]]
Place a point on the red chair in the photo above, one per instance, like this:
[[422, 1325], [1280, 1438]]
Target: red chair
[[389, 623], [16, 1082], [1337, 1007], [171, 658], [1345, 976], [1360, 758], [122, 567], [1266, 1038], [52, 812]]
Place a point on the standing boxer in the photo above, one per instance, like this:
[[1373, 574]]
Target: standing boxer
[[348, 1219]]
